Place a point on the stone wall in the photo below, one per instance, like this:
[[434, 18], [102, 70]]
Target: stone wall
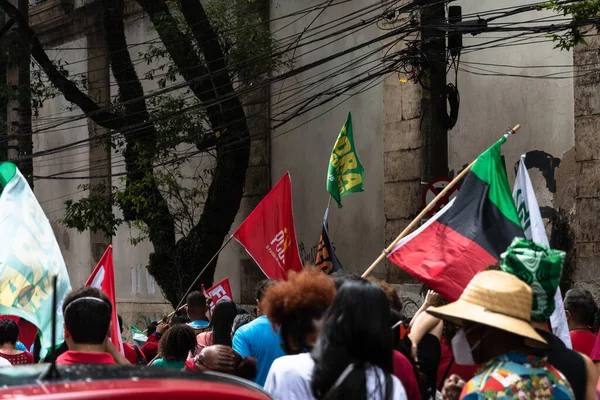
[[587, 158]]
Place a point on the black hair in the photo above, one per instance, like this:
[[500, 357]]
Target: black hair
[[582, 307], [177, 342], [356, 331], [404, 346], [120, 323], [342, 277], [196, 301], [239, 321], [151, 328], [261, 287], [178, 319], [222, 320], [9, 331], [87, 320]]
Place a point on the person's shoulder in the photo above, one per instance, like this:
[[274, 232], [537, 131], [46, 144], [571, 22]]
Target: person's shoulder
[[250, 326], [399, 390], [293, 363], [158, 362]]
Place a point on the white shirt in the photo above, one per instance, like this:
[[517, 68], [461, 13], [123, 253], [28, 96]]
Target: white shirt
[[290, 377], [4, 362]]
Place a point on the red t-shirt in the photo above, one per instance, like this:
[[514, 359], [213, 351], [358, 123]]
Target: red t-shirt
[[80, 357], [18, 359], [150, 348], [466, 372], [131, 355], [583, 342], [404, 371]]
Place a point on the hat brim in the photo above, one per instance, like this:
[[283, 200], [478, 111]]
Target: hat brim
[[461, 311]]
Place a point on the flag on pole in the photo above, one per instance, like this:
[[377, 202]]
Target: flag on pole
[[29, 258], [345, 174], [529, 214], [221, 290], [103, 278], [138, 336], [326, 260], [468, 234], [268, 234]]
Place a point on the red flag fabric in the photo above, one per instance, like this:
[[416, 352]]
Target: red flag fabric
[[268, 234], [219, 291], [103, 278]]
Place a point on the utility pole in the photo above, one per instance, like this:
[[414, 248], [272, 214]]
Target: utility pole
[[19, 109], [433, 133], [4, 131]]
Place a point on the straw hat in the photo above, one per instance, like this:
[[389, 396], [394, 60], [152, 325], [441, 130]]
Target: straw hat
[[496, 299]]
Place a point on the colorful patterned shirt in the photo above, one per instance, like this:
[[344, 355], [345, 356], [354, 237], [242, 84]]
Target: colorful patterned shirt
[[518, 376]]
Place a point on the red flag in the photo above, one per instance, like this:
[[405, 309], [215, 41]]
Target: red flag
[[219, 291], [103, 278], [268, 234]]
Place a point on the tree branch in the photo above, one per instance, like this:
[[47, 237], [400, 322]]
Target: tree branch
[[68, 88]]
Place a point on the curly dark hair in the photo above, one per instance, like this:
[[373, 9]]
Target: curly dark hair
[[177, 342], [390, 293], [293, 305]]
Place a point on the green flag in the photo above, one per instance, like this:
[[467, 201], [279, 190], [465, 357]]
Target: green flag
[[346, 174], [138, 336], [29, 258]]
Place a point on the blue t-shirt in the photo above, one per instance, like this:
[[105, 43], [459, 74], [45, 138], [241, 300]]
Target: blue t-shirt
[[258, 340]]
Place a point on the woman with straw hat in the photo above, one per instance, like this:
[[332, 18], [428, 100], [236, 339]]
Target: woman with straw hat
[[541, 269], [494, 313]]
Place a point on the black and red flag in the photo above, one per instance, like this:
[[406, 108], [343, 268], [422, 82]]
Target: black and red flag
[[326, 258]]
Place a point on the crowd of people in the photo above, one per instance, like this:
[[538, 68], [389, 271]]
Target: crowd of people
[[317, 336]]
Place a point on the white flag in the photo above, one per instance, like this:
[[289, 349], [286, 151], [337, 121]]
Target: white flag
[[533, 225]]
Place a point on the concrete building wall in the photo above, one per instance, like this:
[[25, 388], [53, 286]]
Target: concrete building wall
[[496, 93], [587, 161], [357, 229]]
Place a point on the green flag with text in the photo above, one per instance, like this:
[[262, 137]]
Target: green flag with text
[[346, 174], [29, 259]]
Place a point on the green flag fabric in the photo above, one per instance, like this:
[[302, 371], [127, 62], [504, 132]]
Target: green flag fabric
[[540, 268], [138, 336], [346, 174], [29, 258]]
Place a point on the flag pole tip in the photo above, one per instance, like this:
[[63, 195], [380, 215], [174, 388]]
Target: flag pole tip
[[515, 129]]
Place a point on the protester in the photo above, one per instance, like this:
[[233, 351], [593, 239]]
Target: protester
[[9, 332], [87, 325], [581, 310], [175, 346], [257, 339], [239, 321], [220, 325], [352, 356], [223, 359], [405, 367], [133, 354], [295, 306], [390, 293], [494, 313], [196, 311], [155, 331], [541, 269]]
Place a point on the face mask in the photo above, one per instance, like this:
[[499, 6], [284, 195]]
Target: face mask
[[463, 352]]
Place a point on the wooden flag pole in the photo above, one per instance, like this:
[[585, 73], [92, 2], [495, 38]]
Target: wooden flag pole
[[422, 214]]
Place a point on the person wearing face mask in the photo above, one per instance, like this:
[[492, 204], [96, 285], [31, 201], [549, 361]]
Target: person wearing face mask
[[494, 313], [541, 269]]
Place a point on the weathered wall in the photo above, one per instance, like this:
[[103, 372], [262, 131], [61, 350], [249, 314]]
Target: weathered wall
[[530, 84], [139, 298], [357, 230], [587, 161]]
